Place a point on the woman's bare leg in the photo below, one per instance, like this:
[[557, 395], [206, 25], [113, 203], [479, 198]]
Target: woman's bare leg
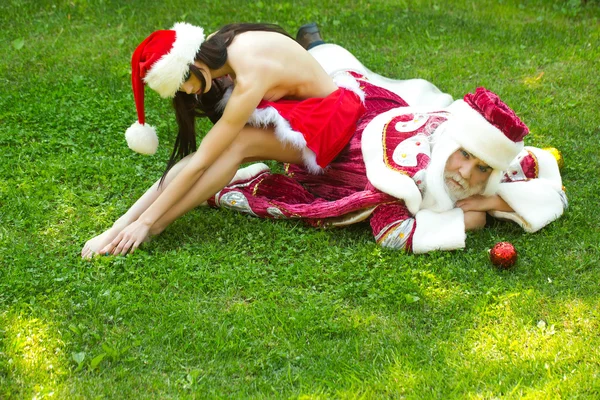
[[93, 245], [252, 144]]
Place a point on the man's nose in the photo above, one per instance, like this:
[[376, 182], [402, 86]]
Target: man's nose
[[466, 170]]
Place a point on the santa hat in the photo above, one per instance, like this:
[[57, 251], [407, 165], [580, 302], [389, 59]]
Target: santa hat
[[486, 127], [162, 61]]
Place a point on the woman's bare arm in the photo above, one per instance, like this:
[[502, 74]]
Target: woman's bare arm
[[242, 102], [240, 106]]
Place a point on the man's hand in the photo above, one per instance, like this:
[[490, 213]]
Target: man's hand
[[483, 203], [474, 220], [128, 239]]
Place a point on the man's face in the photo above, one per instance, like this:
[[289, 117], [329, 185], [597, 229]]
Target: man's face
[[465, 175]]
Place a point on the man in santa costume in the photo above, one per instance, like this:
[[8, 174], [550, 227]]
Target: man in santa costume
[[423, 169]]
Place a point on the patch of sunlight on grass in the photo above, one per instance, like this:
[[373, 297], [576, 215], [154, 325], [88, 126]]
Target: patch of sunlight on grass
[[356, 392], [552, 344], [533, 82], [402, 378], [34, 352], [530, 358], [578, 316], [434, 287], [312, 397], [490, 341], [541, 392]]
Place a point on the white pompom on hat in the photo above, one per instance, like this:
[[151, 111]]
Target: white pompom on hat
[[162, 61]]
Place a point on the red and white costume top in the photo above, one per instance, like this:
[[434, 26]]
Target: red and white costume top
[[319, 127], [381, 175]]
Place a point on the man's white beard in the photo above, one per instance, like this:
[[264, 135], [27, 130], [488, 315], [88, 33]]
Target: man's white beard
[[459, 193], [436, 197]]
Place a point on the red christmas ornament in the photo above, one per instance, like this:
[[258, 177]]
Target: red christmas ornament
[[503, 255]]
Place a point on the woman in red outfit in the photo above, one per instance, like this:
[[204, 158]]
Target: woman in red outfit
[[269, 100]]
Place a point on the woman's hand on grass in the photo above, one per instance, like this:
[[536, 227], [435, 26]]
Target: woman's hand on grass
[[128, 240]]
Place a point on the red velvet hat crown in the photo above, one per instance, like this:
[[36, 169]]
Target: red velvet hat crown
[[497, 113], [162, 61]]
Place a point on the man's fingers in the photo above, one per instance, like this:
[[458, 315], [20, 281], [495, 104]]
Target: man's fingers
[[466, 205]]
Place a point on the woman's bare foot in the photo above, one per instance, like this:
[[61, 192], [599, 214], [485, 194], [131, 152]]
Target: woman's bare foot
[[92, 246]]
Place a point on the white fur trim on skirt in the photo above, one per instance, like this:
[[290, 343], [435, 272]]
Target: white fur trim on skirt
[[264, 117]]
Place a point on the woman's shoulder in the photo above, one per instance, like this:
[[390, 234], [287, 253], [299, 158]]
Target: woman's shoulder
[[260, 41], [264, 49]]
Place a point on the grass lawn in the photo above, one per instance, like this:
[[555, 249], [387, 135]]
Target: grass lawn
[[222, 305]]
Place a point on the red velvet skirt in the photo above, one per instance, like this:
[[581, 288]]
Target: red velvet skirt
[[322, 125]]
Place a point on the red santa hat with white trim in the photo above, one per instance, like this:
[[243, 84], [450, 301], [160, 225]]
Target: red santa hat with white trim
[[486, 127], [161, 61]]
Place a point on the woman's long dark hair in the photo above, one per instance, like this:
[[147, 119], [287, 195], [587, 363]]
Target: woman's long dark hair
[[213, 52]]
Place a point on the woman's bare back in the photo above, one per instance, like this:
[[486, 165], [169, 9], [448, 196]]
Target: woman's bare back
[[278, 61]]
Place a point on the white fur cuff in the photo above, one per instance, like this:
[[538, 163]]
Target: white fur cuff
[[439, 231], [536, 203]]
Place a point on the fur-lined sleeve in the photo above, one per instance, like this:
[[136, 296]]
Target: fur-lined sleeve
[[533, 188], [395, 227]]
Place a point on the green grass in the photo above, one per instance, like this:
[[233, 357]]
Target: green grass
[[226, 306]]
